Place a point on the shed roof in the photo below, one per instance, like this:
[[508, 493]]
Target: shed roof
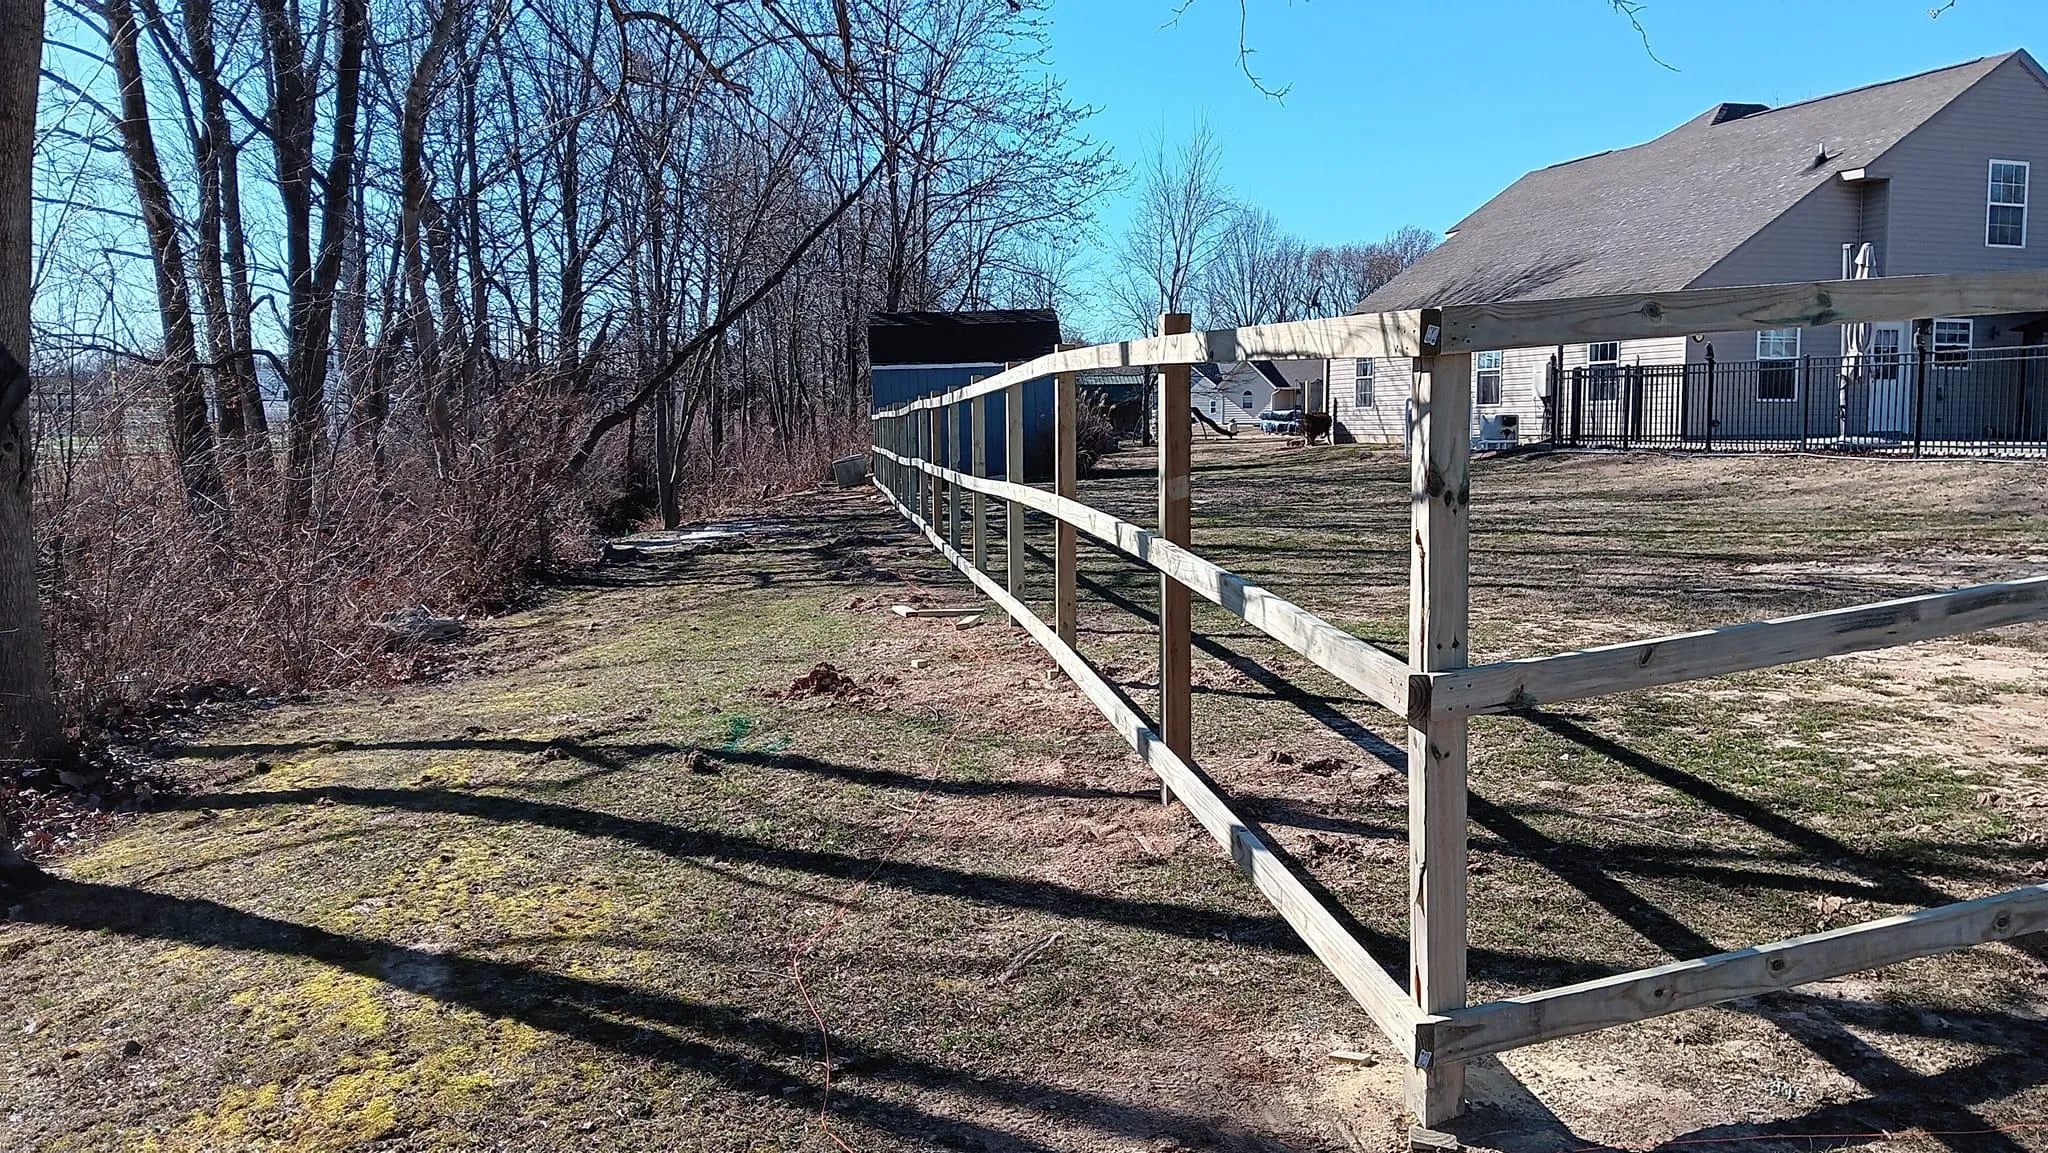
[[1657, 216], [992, 336]]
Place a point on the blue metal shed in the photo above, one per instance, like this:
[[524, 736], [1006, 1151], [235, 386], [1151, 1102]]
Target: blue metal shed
[[920, 354]]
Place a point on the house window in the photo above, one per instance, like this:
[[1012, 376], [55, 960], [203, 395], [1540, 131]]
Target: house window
[[1486, 377], [1777, 364], [2005, 211], [1361, 384], [1603, 370], [1951, 343]]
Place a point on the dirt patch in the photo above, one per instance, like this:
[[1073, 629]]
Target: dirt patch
[[824, 680]]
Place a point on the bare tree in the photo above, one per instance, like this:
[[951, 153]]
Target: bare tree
[[29, 725], [191, 430], [1180, 219], [295, 86]]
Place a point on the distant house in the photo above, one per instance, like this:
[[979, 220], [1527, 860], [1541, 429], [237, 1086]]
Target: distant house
[[1928, 174], [1243, 390]]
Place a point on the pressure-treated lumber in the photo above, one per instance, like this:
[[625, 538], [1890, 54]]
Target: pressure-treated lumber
[[1381, 676], [1714, 652], [1440, 452], [1404, 333], [1176, 522], [977, 415], [934, 449], [1013, 471], [1645, 993], [951, 425], [1806, 304], [1066, 475], [1383, 1000]]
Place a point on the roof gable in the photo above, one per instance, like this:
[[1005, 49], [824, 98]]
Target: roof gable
[[1656, 216]]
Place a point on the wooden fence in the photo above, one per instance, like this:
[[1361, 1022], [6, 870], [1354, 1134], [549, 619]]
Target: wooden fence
[[1433, 688]]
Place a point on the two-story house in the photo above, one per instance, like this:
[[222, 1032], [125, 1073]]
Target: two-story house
[[1928, 174]]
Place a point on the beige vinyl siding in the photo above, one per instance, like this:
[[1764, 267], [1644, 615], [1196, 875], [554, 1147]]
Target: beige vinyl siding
[[1385, 421], [1939, 171], [1523, 377]]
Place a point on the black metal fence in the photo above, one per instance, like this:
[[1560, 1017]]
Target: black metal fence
[[1991, 402]]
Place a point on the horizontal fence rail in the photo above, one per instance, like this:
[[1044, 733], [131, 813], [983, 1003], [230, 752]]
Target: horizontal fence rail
[[1625, 998], [1383, 1000], [1634, 665], [1380, 675], [919, 456]]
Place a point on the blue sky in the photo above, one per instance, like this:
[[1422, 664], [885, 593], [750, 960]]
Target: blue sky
[[1417, 111]]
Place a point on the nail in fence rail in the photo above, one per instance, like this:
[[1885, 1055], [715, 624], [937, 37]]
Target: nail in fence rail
[[1428, 1023]]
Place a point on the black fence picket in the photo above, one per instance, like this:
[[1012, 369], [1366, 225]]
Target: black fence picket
[[1990, 402]]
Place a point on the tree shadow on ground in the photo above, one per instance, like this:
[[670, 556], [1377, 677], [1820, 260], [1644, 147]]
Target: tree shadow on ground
[[1899, 1097], [740, 1050]]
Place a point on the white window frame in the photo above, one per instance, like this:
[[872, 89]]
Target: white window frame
[[1959, 353], [1990, 185], [1608, 382], [1364, 375], [1762, 333], [1798, 343], [1488, 366]]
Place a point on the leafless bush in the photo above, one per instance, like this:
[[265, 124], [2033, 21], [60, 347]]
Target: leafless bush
[[1095, 435], [144, 596]]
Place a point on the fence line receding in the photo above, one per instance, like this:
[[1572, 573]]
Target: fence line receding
[[919, 468]]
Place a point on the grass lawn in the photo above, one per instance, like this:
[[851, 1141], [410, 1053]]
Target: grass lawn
[[615, 887]]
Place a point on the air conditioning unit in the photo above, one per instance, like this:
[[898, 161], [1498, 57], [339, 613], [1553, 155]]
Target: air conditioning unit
[[1502, 430]]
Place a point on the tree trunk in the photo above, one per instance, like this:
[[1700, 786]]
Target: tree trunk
[[312, 280], [29, 725], [418, 213], [191, 433]]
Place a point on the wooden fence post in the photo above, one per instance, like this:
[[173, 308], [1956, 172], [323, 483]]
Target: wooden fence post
[[920, 432], [1439, 559], [935, 440], [1013, 471], [951, 424], [1066, 483], [1175, 524], [977, 416]]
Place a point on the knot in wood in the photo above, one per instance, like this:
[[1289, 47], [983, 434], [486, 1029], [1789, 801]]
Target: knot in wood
[[1653, 310], [1433, 482]]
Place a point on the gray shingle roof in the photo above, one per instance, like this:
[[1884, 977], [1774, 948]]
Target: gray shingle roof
[[1656, 216]]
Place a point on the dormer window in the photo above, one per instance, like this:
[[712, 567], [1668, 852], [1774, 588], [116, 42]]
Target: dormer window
[[2005, 210]]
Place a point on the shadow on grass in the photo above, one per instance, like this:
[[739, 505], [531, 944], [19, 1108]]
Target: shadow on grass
[[741, 1050], [1899, 1097]]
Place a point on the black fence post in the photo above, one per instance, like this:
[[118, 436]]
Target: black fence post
[[1631, 377], [1553, 402], [1923, 335], [1578, 406], [1710, 398], [1805, 394]]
